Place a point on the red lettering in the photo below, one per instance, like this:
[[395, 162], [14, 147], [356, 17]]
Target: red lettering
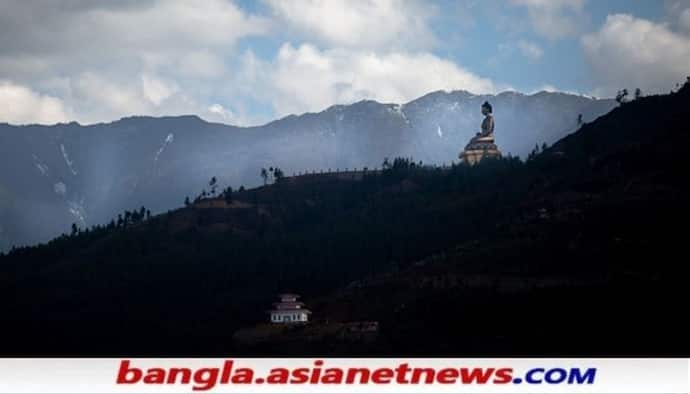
[[382, 375], [475, 375], [278, 376], [332, 376], [503, 375], [227, 372], [243, 376], [447, 376], [427, 372], [353, 372], [205, 378], [300, 375], [400, 373], [154, 376], [127, 375]]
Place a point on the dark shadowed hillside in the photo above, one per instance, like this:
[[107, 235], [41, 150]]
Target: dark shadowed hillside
[[575, 251]]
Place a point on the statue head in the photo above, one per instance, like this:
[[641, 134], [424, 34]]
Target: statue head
[[486, 108]]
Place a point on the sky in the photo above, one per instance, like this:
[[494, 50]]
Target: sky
[[249, 62]]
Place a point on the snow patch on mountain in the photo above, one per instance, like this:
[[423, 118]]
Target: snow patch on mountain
[[70, 163], [168, 140], [60, 188], [398, 109], [77, 209], [42, 168]]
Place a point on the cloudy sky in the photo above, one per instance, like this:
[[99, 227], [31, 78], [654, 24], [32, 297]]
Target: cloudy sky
[[248, 62]]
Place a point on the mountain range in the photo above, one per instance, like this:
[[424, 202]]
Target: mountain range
[[53, 176]]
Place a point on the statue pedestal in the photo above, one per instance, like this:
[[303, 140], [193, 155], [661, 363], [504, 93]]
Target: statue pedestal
[[479, 148], [474, 156]]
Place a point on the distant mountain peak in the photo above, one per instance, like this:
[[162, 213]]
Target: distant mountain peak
[[190, 117]]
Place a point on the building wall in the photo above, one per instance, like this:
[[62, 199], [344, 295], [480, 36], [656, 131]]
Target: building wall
[[289, 317]]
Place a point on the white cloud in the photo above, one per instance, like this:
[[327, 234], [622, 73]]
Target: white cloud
[[308, 79], [124, 27], [107, 97], [100, 95], [546, 88], [554, 19], [110, 59], [632, 52], [155, 90], [21, 105], [360, 24], [530, 50], [506, 53], [220, 112], [201, 64], [554, 89]]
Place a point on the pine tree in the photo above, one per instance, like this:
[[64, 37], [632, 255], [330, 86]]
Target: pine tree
[[386, 164], [278, 174], [264, 175], [213, 183], [621, 95], [227, 194]]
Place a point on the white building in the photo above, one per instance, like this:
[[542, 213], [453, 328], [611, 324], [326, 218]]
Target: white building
[[289, 310]]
